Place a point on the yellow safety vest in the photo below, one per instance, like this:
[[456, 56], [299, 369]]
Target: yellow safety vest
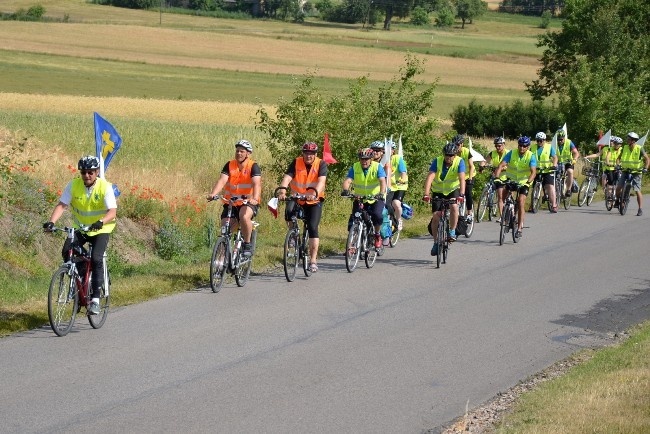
[[495, 160], [85, 209], [367, 184], [451, 180], [394, 163], [544, 162], [631, 159], [519, 166], [465, 155], [565, 154], [613, 156]]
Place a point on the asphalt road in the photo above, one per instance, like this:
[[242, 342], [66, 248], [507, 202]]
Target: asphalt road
[[400, 348]]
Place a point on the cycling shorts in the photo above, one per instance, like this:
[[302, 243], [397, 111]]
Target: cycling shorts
[[235, 211], [436, 205]]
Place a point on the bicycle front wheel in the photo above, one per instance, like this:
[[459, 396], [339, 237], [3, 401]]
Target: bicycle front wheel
[[583, 193], [537, 197], [609, 199], [304, 253], [593, 186], [353, 247], [96, 321], [625, 198], [62, 301], [291, 254], [513, 225], [445, 241], [244, 266], [482, 206], [442, 237], [394, 238], [505, 221], [370, 255], [218, 264]]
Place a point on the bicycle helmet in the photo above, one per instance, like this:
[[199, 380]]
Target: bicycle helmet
[[89, 162], [617, 140], [450, 149], [561, 133], [523, 141], [377, 145], [499, 141], [392, 144], [245, 144], [458, 139], [310, 147], [632, 135], [365, 153], [540, 136]]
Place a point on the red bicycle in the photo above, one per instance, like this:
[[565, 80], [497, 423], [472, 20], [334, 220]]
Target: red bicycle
[[70, 287]]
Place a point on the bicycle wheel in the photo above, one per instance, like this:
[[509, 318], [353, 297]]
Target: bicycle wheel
[[585, 188], [566, 201], [353, 247], [218, 264], [470, 226], [370, 254], [513, 226], [394, 238], [482, 206], [96, 321], [505, 221], [625, 198], [537, 197], [291, 254], [442, 237], [304, 253], [445, 241], [609, 200], [243, 270], [592, 190], [62, 301]]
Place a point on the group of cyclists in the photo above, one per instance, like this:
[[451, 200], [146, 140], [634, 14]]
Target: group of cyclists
[[382, 180]]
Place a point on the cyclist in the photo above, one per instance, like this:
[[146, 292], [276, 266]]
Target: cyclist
[[397, 186], [522, 169], [378, 150], [632, 159], [464, 153], [92, 203], [446, 179], [568, 154], [241, 176], [493, 159], [306, 172], [368, 177], [546, 166], [612, 153], [600, 153]]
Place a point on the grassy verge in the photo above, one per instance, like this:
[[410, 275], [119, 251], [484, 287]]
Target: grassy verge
[[606, 394]]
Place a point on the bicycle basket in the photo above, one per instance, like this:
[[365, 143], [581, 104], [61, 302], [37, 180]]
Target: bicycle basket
[[407, 212]]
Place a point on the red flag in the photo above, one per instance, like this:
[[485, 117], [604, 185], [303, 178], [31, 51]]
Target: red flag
[[327, 152]]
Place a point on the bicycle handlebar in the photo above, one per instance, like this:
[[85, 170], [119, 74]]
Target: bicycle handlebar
[[364, 197], [233, 199], [295, 196]]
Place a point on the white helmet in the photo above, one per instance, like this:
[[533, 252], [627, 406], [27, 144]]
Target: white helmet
[[632, 135], [244, 144], [540, 136]]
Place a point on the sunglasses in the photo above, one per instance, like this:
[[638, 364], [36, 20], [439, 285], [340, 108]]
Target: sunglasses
[[523, 146], [450, 155], [87, 172]]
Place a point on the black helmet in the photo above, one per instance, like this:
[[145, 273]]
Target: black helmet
[[89, 162], [450, 149], [458, 139], [364, 153], [245, 144], [310, 147], [378, 145]]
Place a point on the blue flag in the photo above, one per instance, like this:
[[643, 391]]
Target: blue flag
[[107, 140]]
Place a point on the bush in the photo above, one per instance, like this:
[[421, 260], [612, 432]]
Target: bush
[[171, 242], [420, 17], [546, 19], [446, 17]]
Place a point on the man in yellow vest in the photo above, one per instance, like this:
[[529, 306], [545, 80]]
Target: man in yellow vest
[[546, 167], [241, 177], [493, 159], [446, 179], [304, 175], [368, 179], [632, 159], [609, 165], [567, 154], [92, 203], [521, 166], [467, 157], [398, 184]]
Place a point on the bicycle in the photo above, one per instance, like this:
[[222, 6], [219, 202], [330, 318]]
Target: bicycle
[[610, 191], [70, 287], [361, 236], [394, 224], [509, 217], [227, 253], [537, 198], [296, 245], [560, 187], [624, 200], [467, 220], [443, 229], [589, 185], [487, 202]]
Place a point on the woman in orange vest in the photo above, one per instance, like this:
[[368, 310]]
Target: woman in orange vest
[[241, 176], [304, 174]]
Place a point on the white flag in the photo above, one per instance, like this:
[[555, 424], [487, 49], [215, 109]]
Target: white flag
[[642, 140], [566, 133], [386, 157], [554, 142], [604, 141], [475, 155], [400, 151]]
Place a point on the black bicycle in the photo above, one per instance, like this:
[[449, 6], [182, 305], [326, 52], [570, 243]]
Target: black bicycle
[[443, 229], [509, 217], [227, 254], [624, 200], [70, 287], [361, 235], [610, 190], [487, 203], [296, 244]]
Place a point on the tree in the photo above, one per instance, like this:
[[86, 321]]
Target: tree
[[420, 17], [467, 10], [599, 66]]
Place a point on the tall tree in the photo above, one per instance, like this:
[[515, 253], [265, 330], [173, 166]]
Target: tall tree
[[599, 66], [467, 10]]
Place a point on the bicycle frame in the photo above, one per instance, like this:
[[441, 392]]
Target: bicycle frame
[[359, 236], [443, 229], [509, 217]]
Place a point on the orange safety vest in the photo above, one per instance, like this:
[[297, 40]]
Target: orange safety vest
[[302, 179], [239, 182]]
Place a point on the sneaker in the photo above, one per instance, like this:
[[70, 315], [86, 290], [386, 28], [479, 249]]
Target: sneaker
[[554, 210], [247, 250], [567, 194], [377, 241], [499, 220], [617, 203], [400, 225], [385, 241], [518, 234], [313, 267], [469, 218], [639, 212], [434, 249], [452, 235], [93, 309]]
